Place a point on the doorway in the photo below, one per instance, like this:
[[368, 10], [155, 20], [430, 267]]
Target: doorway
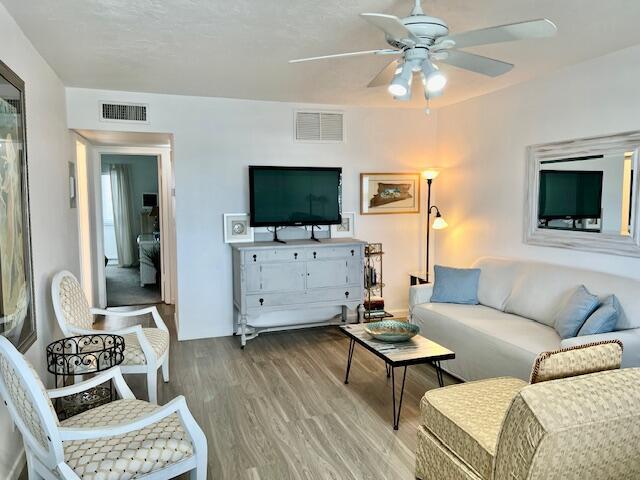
[[131, 229]]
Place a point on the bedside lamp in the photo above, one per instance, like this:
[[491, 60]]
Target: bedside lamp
[[438, 222]]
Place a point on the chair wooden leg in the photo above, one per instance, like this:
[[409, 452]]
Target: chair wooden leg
[[165, 369], [152, 386], [32, 472], [200, 472]]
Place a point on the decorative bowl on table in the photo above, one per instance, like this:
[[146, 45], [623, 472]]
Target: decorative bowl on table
[[392, 331]]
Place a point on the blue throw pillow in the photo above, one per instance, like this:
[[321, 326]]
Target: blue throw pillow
[[575, 311], [604, 319], [455, 285]]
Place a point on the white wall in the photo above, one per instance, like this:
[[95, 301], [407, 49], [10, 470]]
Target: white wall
[[482, 145], [53, 223], [216, 139]]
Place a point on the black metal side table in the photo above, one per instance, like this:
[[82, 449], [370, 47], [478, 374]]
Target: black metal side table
[[84, 355]]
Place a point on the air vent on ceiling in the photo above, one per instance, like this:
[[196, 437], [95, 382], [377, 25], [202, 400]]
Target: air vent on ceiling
[[319, 126], [123, 112]]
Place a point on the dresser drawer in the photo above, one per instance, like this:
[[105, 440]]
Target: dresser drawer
[[275, 300], [349, 294], [330, 295], [281, 255], [333, 252]]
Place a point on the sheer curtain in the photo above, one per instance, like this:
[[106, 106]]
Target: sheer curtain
[[122, 216]]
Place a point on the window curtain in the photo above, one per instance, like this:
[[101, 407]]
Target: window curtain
[[122, 216]]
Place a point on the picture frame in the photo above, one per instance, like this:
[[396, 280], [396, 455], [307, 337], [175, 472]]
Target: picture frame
[[347, 229], [17, 308], [237, 228], [389, 193]]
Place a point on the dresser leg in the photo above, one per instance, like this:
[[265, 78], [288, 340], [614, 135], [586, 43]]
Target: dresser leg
[[243, 331], [345, 313]]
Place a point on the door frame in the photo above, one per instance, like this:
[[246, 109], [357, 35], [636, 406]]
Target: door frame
[[167, 217]]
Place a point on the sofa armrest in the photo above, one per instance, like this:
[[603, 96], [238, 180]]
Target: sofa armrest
[[630, 340], [419, 294]]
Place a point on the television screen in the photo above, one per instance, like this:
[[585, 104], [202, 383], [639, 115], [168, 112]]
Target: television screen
[[281, 196], [570, 194]]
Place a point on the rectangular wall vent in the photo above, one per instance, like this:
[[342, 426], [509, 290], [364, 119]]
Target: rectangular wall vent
[[319, 126], [123, 112]]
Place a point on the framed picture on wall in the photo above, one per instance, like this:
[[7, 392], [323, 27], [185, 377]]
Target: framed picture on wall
[[237, 228], [386, 193], [17, 313], [346, 229]]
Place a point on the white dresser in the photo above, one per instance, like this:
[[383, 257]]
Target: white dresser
[[298, 275]]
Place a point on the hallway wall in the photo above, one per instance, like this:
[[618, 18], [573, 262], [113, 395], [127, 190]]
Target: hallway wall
[[54, 225]]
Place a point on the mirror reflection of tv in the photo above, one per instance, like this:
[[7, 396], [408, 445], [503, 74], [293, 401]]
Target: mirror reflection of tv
[[287, 196], [570, 194]]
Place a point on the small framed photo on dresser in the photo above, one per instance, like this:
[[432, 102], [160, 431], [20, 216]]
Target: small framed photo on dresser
[[346, 229], [237, 228]]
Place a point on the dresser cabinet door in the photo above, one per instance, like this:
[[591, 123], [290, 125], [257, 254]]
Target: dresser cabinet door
[[282, 277], [326, 273]]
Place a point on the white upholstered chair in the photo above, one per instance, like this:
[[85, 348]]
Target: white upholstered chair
[[124, 439], [146, 349]]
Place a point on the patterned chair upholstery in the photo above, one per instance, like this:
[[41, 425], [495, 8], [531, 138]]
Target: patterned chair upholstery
[[146, 349], [122, 440], [575, 425]]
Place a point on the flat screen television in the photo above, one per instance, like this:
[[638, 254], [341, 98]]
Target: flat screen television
[[285, 196], [570, 194]]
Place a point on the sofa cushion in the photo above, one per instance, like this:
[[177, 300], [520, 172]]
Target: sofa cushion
[[604, 319], [574, 312], [488, 343], [497, 276], [540, 289], [455, 285], [466, 418]]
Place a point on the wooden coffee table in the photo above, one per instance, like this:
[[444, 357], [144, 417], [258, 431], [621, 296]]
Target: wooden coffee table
[[416, 351]]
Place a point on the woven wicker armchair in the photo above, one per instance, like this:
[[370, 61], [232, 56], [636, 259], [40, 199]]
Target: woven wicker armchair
[[146, 349], [568, 424], [124, 439]]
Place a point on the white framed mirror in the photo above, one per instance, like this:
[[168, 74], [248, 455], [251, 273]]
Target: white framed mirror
[[583, 194]]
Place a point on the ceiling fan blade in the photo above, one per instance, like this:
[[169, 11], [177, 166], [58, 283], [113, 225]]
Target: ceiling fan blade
[[392, 26], [477, 63], [385, 75], [386, 51], [503, 33]]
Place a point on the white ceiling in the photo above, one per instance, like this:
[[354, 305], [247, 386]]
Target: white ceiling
[[240, 48]]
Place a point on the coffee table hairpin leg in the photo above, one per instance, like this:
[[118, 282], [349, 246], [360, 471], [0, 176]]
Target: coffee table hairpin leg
[[352, 345], [439, 375], [396, 415]]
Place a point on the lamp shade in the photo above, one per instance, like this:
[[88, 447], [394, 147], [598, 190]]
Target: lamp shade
[[431, 173], [439, 223]]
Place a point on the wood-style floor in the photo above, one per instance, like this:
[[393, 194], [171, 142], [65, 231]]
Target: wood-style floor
[[279, 409]]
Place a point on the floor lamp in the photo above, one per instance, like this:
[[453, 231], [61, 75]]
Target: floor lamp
[[438, 221]]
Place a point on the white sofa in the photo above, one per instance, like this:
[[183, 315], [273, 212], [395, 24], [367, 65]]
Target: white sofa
[[514, 321]]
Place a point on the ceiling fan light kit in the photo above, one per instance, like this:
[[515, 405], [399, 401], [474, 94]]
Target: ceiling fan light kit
[[422, 40]]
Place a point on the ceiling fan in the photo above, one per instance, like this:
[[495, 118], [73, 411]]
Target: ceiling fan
[[421, 41]]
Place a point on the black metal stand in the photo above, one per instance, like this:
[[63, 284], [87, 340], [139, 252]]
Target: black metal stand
[[82, 355], [275, 236], [313, 235]]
